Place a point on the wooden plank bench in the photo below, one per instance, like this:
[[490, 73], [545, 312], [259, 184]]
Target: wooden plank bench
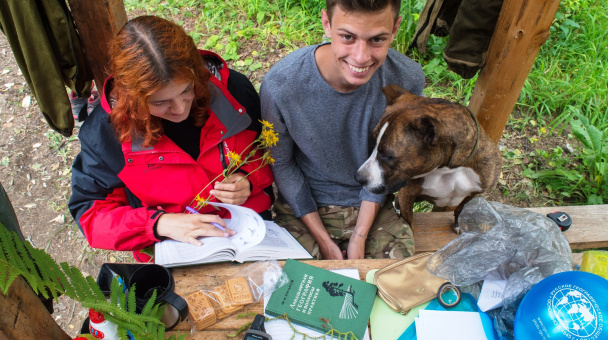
[[589, 227]]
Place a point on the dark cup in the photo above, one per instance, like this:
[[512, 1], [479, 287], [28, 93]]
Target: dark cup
[[152, 277]]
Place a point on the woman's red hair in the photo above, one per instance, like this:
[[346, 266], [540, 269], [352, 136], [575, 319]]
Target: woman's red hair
[[148, 53]]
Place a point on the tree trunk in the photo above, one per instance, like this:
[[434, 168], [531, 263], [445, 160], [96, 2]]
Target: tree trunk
[[521, 30], [23, 316]]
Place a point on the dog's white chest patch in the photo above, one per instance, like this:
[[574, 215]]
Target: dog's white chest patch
[[450, 186]]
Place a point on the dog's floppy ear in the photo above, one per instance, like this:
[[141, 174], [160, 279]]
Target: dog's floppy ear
[[424, 128], [392, 92]]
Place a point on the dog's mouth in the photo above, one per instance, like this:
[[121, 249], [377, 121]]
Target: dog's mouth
[[395, 187], [379, 190]]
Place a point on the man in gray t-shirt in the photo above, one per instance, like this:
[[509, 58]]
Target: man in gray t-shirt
[[324, 101]]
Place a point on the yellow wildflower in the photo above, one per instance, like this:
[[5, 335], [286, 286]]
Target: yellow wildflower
[[200, 202], [269, 160], [269, 138], [235, 158], [267, 124]]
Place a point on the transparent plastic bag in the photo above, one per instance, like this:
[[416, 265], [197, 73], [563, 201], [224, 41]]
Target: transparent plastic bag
[[523, 246], [212, 304]]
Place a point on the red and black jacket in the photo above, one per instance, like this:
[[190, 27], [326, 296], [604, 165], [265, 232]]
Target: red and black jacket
[[119, 190]]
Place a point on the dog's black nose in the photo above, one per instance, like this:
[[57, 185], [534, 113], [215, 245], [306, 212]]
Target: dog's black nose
[[361, 179]]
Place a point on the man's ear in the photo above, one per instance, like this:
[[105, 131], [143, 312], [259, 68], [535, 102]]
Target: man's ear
[[325, 22], [396, 27]]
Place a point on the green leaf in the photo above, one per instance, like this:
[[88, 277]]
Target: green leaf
[[255, 66], [260, 17], [211, 42], [589, 135], [196, 37]]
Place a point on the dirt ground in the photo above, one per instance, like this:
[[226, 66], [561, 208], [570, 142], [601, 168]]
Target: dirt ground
[[35, 171]]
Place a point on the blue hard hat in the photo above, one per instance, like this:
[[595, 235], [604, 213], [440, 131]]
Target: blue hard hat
[[564, 306]]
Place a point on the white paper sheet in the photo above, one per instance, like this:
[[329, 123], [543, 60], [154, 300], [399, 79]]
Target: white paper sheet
[[453, 325], [491, 292]]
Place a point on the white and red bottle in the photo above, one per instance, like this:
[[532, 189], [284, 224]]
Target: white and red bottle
[[101, 328]]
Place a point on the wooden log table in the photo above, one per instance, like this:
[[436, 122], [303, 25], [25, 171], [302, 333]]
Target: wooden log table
[[431, 232], [190, 279]]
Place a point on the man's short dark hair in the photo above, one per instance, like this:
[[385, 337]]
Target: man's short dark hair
[[363, 6]]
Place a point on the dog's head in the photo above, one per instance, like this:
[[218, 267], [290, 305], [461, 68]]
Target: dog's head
[[414, 136]]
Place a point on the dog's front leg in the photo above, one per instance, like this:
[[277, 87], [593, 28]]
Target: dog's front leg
[[406, 199], [458, 210]]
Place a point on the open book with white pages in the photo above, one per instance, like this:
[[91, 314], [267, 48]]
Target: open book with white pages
[[255, 240]]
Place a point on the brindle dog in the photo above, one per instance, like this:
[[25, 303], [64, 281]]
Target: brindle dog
[[429, 149]]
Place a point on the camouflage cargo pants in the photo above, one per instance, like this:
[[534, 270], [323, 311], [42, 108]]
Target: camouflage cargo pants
[[389, 236]]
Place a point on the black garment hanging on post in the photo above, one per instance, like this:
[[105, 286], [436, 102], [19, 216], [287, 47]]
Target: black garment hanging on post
[[47, 48], [469, 24]]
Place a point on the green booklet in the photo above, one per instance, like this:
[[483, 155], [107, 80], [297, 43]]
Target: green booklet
[[319, 299]]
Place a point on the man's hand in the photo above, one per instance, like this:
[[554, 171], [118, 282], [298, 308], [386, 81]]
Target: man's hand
[[331, 251], [235, 189], [188, 227], [367, 215], [356, 247]]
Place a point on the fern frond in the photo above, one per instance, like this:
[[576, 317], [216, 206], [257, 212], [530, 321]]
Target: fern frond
[[50, 272], [44, 275], [42, 261], [80, 283], [96, 291], [65, 267], [131, 300], [6, 277], [115, 292], [30, 267], [148, 307], [7, 242]]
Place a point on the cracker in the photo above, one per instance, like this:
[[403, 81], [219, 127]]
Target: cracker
[[240, 292], [201, 310], [222, 302]]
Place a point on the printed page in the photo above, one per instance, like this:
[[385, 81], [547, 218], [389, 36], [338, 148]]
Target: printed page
[[277, 244], [248, 224], [171, 253]]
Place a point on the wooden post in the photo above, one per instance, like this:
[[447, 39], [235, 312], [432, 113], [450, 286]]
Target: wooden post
[[97, 22], [24, 317], [521, 30]]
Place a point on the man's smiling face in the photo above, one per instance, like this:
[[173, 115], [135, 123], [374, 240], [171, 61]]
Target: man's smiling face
[[359, 44]]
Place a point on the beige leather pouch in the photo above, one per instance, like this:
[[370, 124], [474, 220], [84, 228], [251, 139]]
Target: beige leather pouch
[[407, 283]]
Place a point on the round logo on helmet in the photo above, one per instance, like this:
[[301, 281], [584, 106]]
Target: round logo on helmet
[[564, 306], [575, 310]]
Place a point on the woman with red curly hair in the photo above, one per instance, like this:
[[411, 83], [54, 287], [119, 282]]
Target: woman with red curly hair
[[169, 117]]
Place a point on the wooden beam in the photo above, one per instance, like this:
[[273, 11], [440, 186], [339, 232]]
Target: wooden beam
[[521, 30], [24, 317], [433, 230], [98, 22]]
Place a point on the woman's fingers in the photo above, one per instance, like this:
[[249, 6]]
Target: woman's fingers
[[189, 227]]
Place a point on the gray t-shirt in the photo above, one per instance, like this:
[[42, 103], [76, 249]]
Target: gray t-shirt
[[325, 135]]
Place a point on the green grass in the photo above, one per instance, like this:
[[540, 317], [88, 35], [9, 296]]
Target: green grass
[[566, 81]]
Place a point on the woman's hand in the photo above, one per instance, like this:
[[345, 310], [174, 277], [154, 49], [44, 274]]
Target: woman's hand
[[235, 189], [188, 227]]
